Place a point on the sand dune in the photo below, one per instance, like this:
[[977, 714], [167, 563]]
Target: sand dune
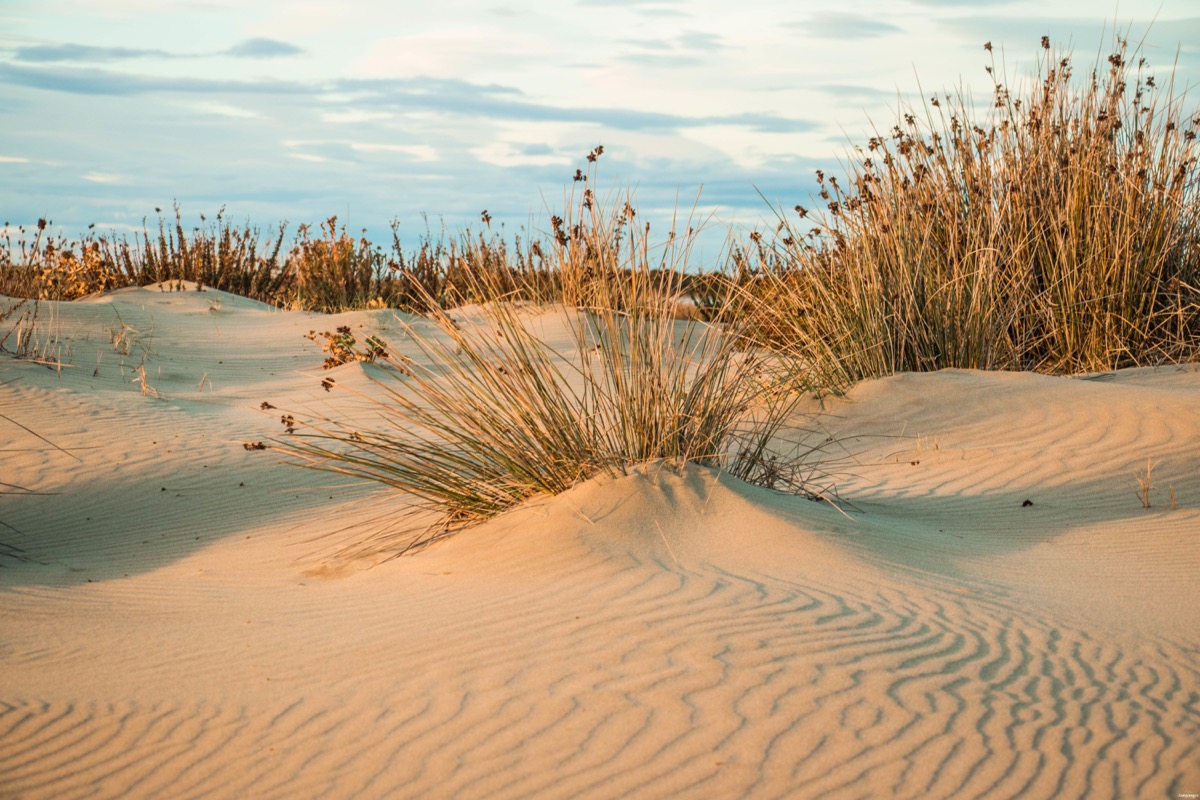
[[173, 622]]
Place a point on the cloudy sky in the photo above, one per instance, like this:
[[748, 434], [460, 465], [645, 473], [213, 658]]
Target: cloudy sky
[[299, 109]]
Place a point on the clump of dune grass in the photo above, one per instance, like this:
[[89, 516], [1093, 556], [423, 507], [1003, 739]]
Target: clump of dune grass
[[1057, 231], [489, 413], [323, 269], [48, 267], [31, 331], [334, 271], [456, 269], [216, 254]]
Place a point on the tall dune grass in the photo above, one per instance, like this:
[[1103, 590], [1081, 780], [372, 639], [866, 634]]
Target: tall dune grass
[[490, 414], [1057, 231]]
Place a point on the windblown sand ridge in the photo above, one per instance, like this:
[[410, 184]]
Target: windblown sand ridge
[[173, 625]]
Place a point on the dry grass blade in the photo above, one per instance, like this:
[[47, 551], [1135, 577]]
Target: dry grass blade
[[39, 436], [1145, 484]]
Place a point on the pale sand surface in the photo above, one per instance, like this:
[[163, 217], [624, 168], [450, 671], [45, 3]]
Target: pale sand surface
[[172, 622]]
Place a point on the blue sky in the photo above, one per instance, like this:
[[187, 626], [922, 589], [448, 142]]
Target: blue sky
[[299, 109]]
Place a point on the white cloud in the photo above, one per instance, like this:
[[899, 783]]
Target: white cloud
[[224, 110], [419, 152], [506, 154], [120, 227], [354, 115], [103, 177], [449, 51], [747, 149]]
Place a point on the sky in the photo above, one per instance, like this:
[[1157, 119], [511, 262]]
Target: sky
[[432, 112]]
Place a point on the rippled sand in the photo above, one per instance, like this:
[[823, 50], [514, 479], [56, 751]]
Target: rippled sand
[[996, 615]]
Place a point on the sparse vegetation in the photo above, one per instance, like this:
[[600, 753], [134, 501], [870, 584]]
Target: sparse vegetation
[[1145, 483], [328, 272], [1055, 231], [341, 347], [33, 333], [490, 414]]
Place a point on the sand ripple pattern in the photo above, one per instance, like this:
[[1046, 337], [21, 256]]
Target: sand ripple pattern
[[722, 684]]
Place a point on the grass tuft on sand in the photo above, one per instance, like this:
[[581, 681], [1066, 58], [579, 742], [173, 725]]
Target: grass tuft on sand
[[1058, 233], [490, 414]]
